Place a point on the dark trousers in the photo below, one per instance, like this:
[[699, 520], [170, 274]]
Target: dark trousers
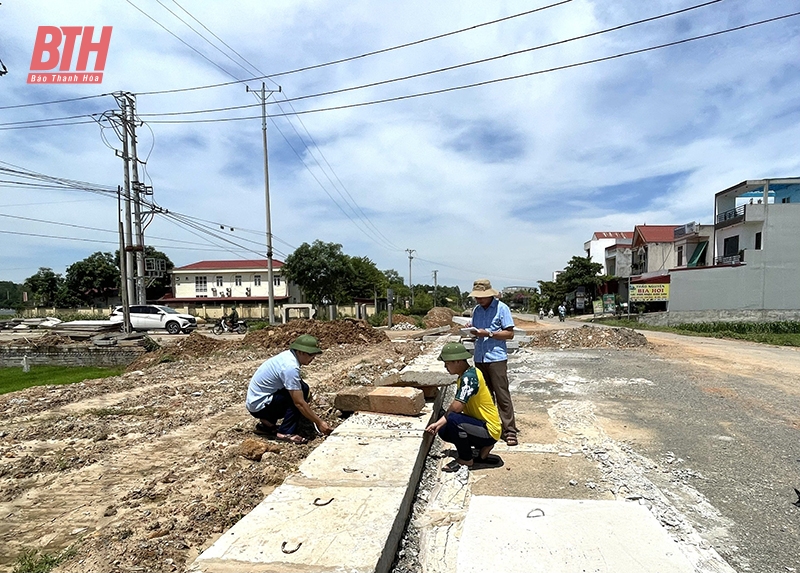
[[496, 376], [464, 432], [282, 406]]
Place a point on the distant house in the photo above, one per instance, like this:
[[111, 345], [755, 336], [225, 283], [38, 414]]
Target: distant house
[[754, 269], [652, 252], [595, 247], [225, 282], [618, 258]]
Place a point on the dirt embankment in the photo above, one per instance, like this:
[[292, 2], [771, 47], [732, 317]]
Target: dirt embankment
[[588, 337], [143, 471]]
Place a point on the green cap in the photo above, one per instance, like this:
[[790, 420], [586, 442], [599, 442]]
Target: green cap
[[306, 343], [454, 351]]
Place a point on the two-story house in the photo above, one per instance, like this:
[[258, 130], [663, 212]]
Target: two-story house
[[652, 252], [226, 282], [756, 260]]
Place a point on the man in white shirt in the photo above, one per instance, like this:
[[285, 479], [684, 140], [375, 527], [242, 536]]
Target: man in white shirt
[[277, 391]]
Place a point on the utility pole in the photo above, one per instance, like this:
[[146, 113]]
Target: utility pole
[[434, 286], [410, 257], [262, 96], [130, 287], [137, 187]]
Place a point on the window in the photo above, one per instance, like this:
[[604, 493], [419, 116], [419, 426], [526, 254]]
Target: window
[[257, 280], [237, 280], [786, 200], [730, 246], [200, 284], [219, 280], [276, 281], [680, 256], [758, 241]]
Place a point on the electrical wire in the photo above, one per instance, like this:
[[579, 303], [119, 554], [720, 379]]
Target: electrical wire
[[67, 100], [360, 56], [496, 80], [456, 66]]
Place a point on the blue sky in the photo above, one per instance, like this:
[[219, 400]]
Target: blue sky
[[505, 181]]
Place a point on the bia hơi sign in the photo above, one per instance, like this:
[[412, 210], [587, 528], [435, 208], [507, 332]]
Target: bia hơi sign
[[656, 292], [54, 48]]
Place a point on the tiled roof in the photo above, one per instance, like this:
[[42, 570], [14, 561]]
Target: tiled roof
[[656, 233], [613, 235], [257, 264]]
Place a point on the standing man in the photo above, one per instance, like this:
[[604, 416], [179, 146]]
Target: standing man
[[493, 326], [277, 391]]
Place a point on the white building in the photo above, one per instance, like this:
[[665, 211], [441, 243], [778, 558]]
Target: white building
[[595, 247], [756, 257], [227, 282]]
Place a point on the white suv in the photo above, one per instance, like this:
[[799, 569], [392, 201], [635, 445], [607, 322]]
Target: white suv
[[155, 317]]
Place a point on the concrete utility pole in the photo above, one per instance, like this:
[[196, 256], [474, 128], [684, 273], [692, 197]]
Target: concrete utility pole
[[262, 96], [410, 258], [130, 288], [141, 294], [434, 286]]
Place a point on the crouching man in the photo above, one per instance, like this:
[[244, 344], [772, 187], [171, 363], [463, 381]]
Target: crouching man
[[471, 420], [277, 392]]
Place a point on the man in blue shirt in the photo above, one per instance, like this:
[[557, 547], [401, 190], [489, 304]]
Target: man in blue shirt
[[276, 391], [493, 326]]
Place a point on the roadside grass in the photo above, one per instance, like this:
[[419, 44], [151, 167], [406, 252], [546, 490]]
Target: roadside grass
[[784, 333], [35, 561], [13, 379]]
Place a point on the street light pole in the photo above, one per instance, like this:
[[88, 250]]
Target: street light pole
[[263, 97]]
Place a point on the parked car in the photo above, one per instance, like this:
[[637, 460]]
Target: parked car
[[156, 317]]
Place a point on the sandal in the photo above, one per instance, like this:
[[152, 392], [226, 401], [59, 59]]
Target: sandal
[[264, 428], [488, 461], [292, 438], [454, 466], [511, 439]]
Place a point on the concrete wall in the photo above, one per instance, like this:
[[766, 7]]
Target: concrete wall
[[660, 257], [78, 355], [672, 318], [769, 280]]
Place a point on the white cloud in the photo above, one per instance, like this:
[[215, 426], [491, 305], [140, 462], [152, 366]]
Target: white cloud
[[506, 181]]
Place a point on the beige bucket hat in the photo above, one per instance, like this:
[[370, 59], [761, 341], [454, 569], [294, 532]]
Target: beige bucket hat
[[482, 288]]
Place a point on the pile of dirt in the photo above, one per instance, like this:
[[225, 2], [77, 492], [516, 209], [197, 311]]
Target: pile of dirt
[[40, 341], [329, 334], [439, 316], [589, 337], [192, 346]]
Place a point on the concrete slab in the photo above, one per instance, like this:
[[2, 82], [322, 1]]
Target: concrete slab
[[322, 529], [426, 370], [406, 401], [557, 535]]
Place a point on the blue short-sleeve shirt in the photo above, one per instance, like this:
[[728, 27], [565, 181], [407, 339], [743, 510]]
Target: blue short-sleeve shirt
[[279, 372], [496, 317]]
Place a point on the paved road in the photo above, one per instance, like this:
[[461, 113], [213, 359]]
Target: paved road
[[705, 432]]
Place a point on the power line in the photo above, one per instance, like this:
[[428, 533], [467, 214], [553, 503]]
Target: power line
[[497, 80], [352, 58], [53, 101]]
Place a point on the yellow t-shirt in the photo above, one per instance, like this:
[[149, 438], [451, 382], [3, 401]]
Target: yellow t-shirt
[[474, 394]]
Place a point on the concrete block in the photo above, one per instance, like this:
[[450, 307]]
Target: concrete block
[[405, 401], [352, 399], [396, 400]]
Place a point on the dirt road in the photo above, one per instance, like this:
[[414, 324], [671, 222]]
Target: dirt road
[[143, 471]]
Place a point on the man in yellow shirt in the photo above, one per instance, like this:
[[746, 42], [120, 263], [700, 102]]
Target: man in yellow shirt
[[471, 420]]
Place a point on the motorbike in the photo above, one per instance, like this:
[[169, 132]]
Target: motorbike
[[561, 316], [223, 326]]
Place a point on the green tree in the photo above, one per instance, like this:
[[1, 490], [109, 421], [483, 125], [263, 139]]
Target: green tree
[[321, 270], [366, 280], [44, 286], [94, 277], [10, 295], [397, 284], [581, 271]]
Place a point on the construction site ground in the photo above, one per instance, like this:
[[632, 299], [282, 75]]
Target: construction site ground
[[144, 471]]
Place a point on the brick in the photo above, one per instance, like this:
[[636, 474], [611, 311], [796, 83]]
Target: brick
[[397, 400]]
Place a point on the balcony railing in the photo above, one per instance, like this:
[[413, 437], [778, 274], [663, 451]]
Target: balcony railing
[[731, 214], [730, 260]]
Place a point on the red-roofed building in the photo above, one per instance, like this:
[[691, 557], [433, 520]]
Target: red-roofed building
[[596, 246], [235, 281], [653, 251]]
